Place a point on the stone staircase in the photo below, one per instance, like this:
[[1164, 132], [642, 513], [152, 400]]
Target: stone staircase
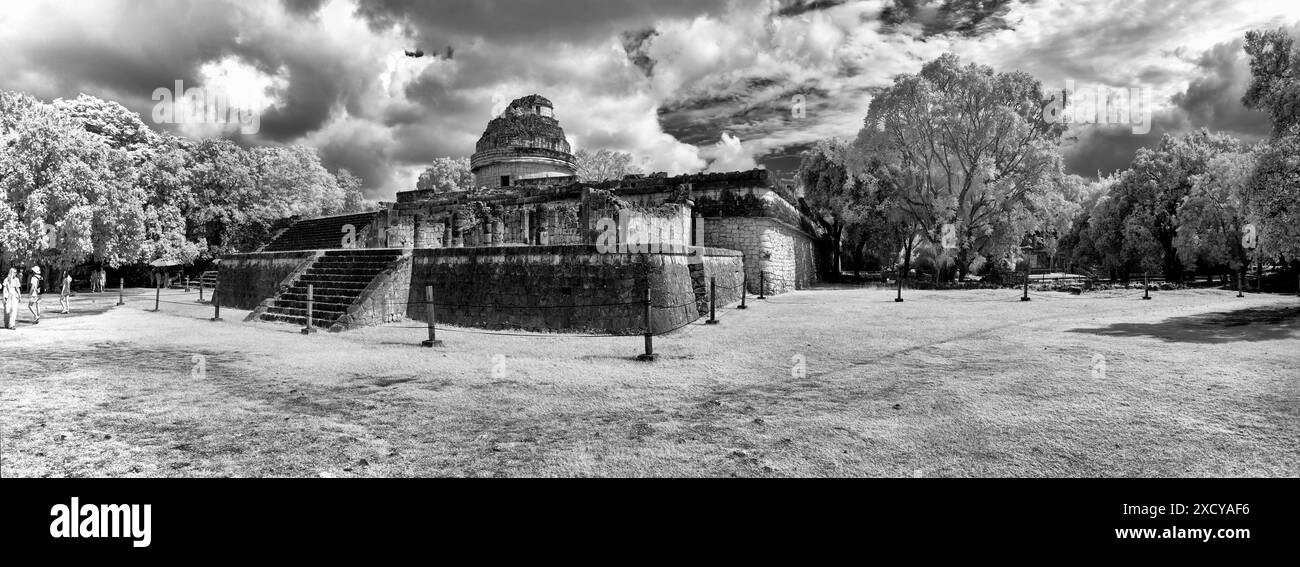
[[319, 234], [339, 277]]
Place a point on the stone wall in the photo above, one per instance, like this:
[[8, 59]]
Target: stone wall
[[726, 268], [571, 288], [245, 280], [785, 256]]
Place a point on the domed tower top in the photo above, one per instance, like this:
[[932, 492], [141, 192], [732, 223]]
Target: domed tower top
[[524, 142]]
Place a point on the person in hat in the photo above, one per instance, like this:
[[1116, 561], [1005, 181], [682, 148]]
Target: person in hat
[[65, 291], [10, 291], [34, 302]]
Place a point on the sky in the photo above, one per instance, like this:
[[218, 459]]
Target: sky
[[682, 85]]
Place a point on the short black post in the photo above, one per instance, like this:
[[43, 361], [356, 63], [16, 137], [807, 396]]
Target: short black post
[[1146, 286], [899, 277], [157, 295], [762, 284], [216, 302], [311, 294], [121, 283], [744, 281], [649, 354], [1241, 275], [1025, 297], [713, 302], [430, 315]]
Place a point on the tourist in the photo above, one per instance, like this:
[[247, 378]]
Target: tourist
[[103, 279], [65, 291], [34, 303], [10, 291]]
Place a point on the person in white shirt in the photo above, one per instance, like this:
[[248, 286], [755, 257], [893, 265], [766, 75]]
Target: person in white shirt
[[10, 291]]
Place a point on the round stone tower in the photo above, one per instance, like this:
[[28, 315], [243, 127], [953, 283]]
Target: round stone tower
[[524, 143]]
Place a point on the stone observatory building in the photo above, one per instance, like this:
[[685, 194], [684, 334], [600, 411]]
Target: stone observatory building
[[523, 144], [531, 247]]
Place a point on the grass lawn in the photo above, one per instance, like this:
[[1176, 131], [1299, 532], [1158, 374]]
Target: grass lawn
[[948, 383]]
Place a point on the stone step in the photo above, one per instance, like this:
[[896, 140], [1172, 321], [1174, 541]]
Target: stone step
[[318, 311], [347, 298], [326, 283], [294, 320], [352, 264], [342, 270], [309, 277], [364, 252]]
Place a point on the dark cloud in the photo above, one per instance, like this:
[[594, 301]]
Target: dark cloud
[[575, 21], [1090, 149], [1213, 100], [796, 7], [969, 18], [634, 44], [302, 7]]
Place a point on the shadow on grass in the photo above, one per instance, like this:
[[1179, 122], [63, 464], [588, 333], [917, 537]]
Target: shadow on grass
[[1251, 324]]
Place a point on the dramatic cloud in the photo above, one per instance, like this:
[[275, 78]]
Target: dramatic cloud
[[683, 85]]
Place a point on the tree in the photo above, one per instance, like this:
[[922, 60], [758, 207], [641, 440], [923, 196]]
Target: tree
[[836, 197], [1211, 216], [113, 124], [225, 198], [290, 181], [67, 196], [1272, 194], [354, 200], [1152, 190], [1275, 188], [969, 149], [446, 175], [603, 165], [1274, 77]]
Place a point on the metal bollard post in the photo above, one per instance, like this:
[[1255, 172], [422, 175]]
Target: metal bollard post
[[744, 281], [216, 302], [310, 328], [430, 314], [157, 294], [762, 284], [713, 301], [121, 283], [899, 276], [1025, 297], [1146, 286], [649, 355]]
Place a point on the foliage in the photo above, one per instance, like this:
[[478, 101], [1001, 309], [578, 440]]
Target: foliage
[[116, 192], [1274, 77], [1211, 216], [1272, 193], [446, 175], [968, 148], [604, 165]]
